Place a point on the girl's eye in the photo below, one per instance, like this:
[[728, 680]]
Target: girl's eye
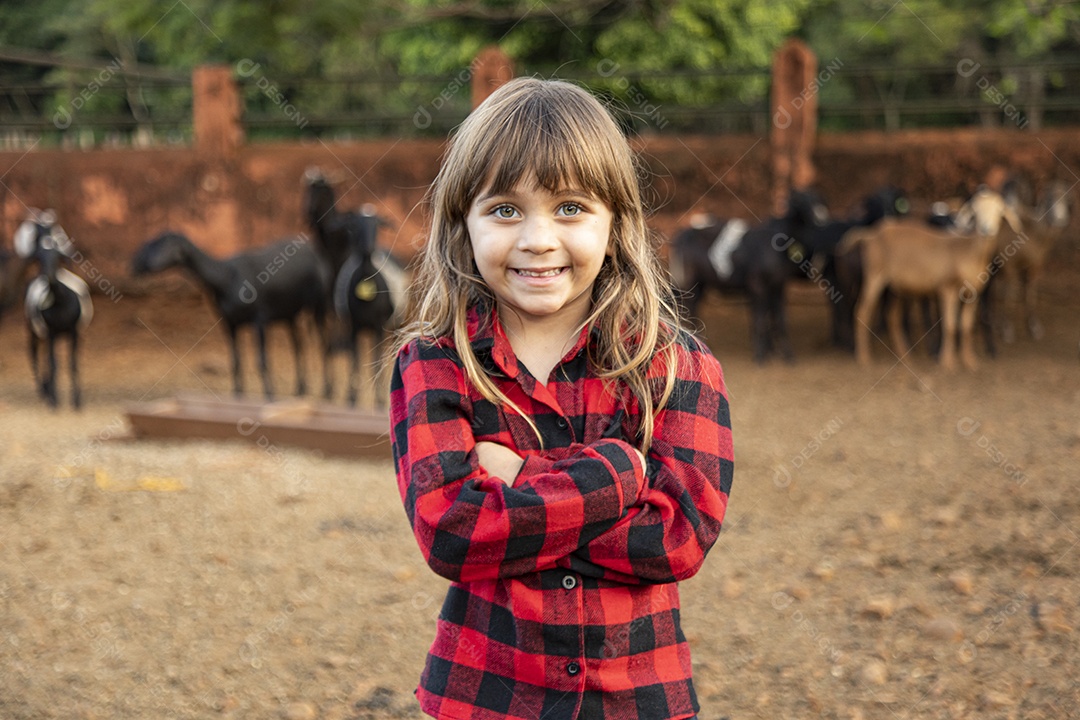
[[505, 212], [572, 209]]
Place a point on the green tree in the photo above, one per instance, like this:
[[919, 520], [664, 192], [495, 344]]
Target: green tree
[[705, 48]]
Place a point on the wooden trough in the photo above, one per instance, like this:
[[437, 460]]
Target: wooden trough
[[295, 422]]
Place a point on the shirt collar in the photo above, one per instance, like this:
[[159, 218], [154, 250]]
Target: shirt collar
[[492, 347]]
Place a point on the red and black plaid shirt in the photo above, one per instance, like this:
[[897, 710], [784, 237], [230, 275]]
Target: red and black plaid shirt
[[563, 602]]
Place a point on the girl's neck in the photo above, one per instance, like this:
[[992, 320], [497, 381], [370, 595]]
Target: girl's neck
[[539, 345]]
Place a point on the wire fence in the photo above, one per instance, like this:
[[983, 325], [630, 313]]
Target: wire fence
[[110, 106]]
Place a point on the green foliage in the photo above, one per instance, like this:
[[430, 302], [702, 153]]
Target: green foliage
[[1032, 29], [911, 32], [618, 47], [30, 25], [702, 35]]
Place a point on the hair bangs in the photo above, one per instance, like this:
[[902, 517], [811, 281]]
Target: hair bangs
[[559, 146]]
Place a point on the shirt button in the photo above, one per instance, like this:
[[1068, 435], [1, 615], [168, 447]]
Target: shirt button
[[572, 668], [569, 582], [561, 422]]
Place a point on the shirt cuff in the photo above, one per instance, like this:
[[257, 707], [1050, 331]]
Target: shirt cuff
[[628, 466], [534, 465]]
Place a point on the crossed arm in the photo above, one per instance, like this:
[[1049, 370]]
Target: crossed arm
[[503, 463], [481, 510]]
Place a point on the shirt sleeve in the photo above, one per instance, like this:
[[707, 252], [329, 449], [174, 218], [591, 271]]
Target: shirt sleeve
[[471, 526], [666, 534]]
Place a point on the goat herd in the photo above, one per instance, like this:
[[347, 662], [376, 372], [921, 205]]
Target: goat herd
[[348, 284], [952, 256], [342, 277]]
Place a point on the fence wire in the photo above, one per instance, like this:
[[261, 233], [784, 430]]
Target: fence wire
[[104, 105]]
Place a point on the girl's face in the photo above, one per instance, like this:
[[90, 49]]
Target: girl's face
[[540, 253]]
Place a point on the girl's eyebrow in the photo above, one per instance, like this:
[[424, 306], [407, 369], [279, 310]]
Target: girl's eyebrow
[[574, 193], [563, 193], [488, 195]]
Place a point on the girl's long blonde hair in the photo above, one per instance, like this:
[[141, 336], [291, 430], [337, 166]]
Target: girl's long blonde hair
[[561, 135]]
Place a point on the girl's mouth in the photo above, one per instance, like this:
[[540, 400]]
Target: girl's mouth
[[552, 272]]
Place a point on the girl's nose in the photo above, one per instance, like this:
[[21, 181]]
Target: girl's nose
[[538, 235]]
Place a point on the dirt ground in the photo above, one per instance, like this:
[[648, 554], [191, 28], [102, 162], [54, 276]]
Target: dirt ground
[[901, 542]]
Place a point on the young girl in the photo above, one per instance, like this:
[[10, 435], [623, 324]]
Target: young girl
[[562, 448]]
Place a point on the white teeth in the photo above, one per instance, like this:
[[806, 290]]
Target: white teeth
[[545, 273]]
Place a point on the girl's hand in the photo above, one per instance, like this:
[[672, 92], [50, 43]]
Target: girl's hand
[[500, 461]]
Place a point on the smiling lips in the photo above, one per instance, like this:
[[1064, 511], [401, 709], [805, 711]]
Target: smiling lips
[[552, 272]]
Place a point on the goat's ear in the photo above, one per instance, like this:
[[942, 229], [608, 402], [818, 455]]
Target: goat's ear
[[1011, 217], [964, 216]]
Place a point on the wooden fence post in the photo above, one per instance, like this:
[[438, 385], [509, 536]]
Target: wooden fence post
[[794, 120], [216, 110], [490, 69]]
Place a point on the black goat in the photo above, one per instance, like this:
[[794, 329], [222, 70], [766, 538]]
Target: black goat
[[57, 305], [260, 287], [366, 297], [335, 232], [369, 285], [757, 262], [14, 268]]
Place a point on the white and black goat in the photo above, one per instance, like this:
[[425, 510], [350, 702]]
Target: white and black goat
[[57, 303]]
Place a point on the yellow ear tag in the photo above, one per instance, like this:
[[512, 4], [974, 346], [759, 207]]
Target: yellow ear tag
[[796, 253], [366, 290]]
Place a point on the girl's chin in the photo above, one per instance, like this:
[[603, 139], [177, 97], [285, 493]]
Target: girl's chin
[[553, 315]]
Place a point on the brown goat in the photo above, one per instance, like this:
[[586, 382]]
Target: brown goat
[[912, 258], [1021, 256]]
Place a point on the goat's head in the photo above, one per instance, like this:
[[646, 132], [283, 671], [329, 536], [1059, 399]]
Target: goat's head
[[167, 250], [319, 200], [886, 201], [48, 256], [1017, 191], [807, 208], [364, 231], [38, 225], [26, 237], [983, 213]]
